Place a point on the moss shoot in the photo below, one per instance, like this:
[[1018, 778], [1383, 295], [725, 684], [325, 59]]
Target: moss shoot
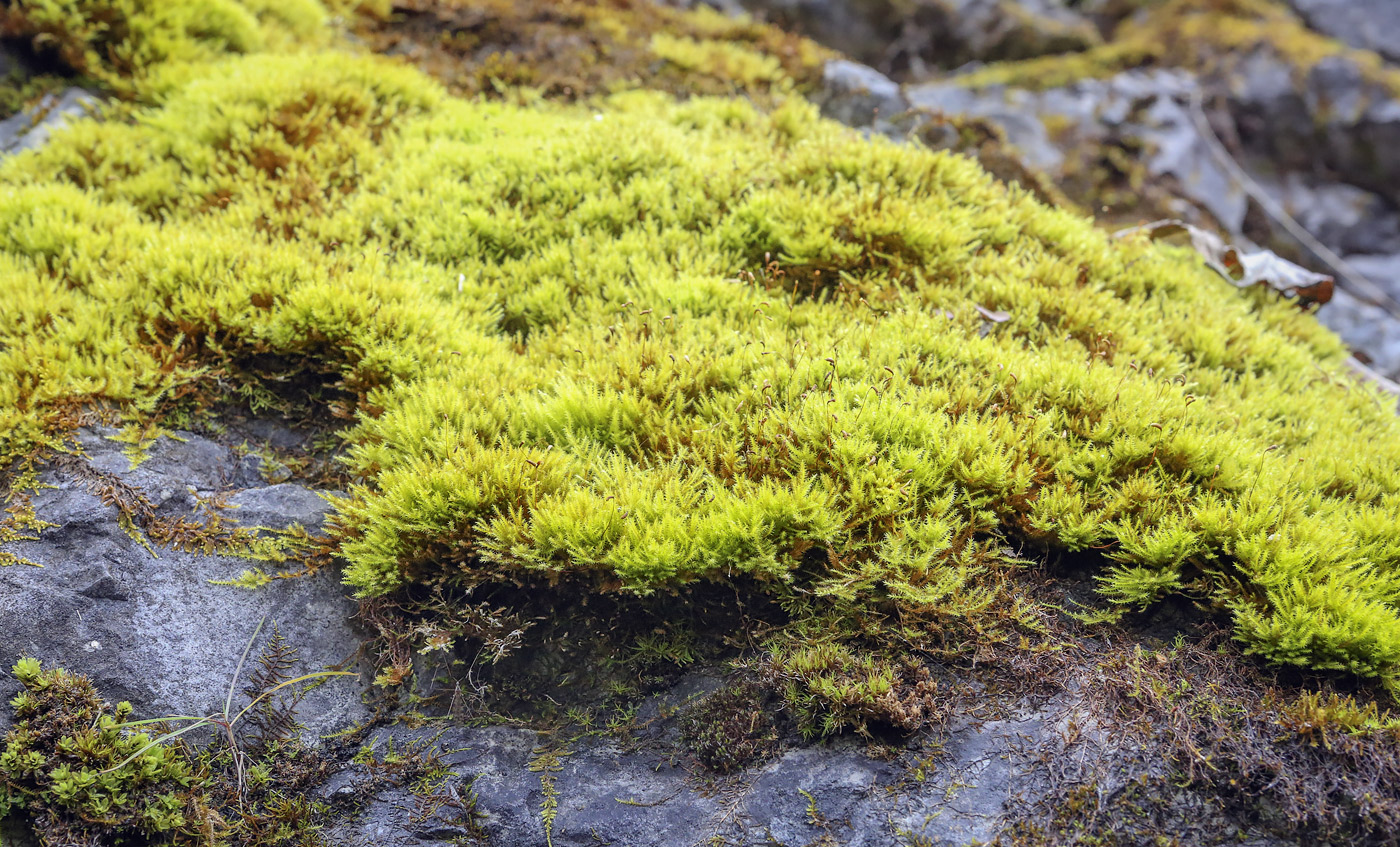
[[642, 345]]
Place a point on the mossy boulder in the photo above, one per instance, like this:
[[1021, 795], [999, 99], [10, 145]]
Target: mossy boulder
[[641, 345], [699, 361]]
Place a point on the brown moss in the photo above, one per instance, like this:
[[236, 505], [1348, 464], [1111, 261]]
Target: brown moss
[[731, 728], [566, 49]]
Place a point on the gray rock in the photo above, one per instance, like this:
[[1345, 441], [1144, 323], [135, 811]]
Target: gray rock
[[914, 36], [149, 625], [1333, 120], [1345, 218], [1143, 109], [858, 95], [1383, 270], [1367, 24], [960, 786], [862, 29], [1007, 29], [30, 129], [1366, 328], [1014, 111], [280, 506]]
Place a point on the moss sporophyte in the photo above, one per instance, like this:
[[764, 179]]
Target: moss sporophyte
[[565, 360]]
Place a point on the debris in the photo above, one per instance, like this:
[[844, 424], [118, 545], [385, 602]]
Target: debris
[[1244, 269]]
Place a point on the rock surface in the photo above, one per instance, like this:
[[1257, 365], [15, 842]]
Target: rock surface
[[29, 129], [914, 38], [1368, 24], [149, 624], [955, 787], [859, 95]]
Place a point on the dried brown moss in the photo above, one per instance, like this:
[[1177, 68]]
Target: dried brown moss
[[569, 50]]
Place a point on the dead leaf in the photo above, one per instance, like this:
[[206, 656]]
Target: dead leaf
[[994, 317], [1244, 269]]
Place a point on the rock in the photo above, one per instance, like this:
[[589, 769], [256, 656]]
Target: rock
[[1135, 109], [961, 785], [147, 624], [858, 95], [989, 30], [1384, 271], [1367, 24], [1014, 111], [29, 129], [911, 38], [280, 506], [861, 29], [1346, 218], [1368, 329], [1334, 120]]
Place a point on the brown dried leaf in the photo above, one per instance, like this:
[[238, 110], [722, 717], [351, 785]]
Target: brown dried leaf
[[1244, 269]]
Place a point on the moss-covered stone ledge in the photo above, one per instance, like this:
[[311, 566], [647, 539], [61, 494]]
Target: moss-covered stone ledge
[[692, 362]]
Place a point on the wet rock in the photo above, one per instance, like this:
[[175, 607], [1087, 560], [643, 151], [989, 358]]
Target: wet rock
[[149, 624], [29, 129], [1368, 24]]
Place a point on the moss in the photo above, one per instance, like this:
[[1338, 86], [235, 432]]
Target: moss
[[831, 688], [60, 766], [115, 41], [1198, 744], [641, 346], [1201, 35], [730, 729], [573, 50], [77, 771]]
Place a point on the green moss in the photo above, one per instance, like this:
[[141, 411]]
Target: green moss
[[60, 766], [76, 771], [569, 358], [1201, 35], [115, 40], [731, 728]]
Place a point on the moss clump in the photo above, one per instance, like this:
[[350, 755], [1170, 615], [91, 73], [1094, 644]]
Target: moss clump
[[115, 41], [1195, 742], [570, 359], [832, 687], [731, 728], [78, 772], [60, 767], [573, 50], [1203, 35]]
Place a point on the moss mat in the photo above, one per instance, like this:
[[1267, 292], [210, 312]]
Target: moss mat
[[640, 344]]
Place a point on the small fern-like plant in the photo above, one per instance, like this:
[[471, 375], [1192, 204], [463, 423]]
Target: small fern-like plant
[[227, 720]]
